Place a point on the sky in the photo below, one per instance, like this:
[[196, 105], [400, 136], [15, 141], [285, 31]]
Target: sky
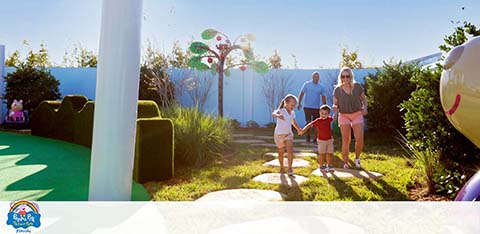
[[313, 31]]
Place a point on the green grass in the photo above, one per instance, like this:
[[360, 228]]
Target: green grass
[[237, 169], [37, 168]]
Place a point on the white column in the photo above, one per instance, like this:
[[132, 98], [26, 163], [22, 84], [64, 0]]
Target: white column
[[2, 86], [116, 101]]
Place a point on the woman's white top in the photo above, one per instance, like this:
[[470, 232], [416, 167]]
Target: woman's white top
[[284, 126]]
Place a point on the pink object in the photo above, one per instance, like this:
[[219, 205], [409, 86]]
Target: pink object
[[350, 119], [16, 112]]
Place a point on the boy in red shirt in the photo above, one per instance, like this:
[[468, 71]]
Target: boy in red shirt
[[324, 137]]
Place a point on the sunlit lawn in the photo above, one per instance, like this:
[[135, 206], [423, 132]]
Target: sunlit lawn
[[382, 155]]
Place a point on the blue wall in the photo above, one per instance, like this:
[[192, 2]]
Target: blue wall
[[243, 94]]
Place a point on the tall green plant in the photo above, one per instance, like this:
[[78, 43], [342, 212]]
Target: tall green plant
[[386, 89], [80, 57], [350, 59], [427, 160], [155, 83], [428, 126], [38, 58], [425, 119], [32, 85], [201, 137]]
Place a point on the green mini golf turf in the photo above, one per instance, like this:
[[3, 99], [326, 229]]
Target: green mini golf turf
[[36, 168]]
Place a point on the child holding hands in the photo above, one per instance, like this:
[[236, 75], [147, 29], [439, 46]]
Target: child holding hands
[[324, 137], [283, 130]]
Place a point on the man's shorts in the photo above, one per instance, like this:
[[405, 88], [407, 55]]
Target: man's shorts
[[325, 146], [350, 119], [281, 138]]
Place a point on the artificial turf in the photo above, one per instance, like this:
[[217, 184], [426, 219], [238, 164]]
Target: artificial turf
[[42, 169]]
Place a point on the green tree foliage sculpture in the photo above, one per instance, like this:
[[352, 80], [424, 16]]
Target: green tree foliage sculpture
[[206, 58]]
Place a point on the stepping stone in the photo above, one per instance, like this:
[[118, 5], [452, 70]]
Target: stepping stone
[[296, 163], [271, 138], [347, 173], [239, 135], [243, 195], [283, 179], [309, 144], [265, 137], [296, 149], [248, 141], [268, 145], [309, 149], [299, 141], [295, 154]]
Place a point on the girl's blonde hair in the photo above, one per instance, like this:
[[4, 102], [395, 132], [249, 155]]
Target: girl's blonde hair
[[349, 70], [286, 99]]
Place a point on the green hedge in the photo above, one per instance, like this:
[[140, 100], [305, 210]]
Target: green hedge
[[147, 109], [151, 131], [63, 120], [83, 125], [72, 120], [41, 121]]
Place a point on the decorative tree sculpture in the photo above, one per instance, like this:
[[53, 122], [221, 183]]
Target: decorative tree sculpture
[[206, 58]]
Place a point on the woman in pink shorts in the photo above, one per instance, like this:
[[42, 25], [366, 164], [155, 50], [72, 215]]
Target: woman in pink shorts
[[350, 101]]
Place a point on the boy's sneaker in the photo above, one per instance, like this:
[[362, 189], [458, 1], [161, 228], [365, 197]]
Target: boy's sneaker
[[330, 168], [345, 166], [357, 163], [323, 168]]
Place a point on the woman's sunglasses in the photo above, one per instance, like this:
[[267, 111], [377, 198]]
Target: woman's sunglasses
[[347, 76]]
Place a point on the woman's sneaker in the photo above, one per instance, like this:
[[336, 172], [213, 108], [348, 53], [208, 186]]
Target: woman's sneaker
[[290, 172], [357, 163], [345, 166], [322, 168], [330, 168]]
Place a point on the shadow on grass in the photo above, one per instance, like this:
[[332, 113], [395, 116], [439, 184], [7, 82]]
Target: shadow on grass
[[292, 191], [343, 188], [52, 170], [385, 191]]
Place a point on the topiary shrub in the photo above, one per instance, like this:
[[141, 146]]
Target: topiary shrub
[[154, 157], [78, 101], [202, 137], [41, 123], [83, 125], [32, 85], [385, 90], [154, 145], [63, 120], [147, 109]]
